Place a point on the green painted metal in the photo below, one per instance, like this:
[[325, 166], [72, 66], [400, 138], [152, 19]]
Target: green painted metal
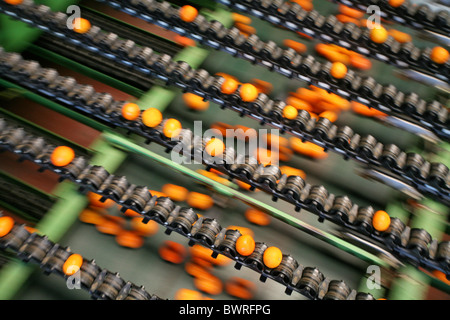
[[59, 219], [412, 284], [219, 14], [432, 217], [397, 210]]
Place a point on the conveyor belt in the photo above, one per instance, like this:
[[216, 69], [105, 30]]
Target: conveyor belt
[[101, 283], [328, 29], [117, 53], [308, 281], [428, 178], [287, 62], [409, 106], [414, 245], [420, 17]]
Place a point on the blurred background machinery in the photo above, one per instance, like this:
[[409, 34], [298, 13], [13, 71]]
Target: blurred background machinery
[[363, 120]]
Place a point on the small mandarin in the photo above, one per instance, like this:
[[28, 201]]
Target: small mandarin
[[379, 34], [158, 194], [129, 239], [441, 276], [109, 225], [275, 140], [195, 102], [381, 220], [171, 128], [299, 104], [201, 252], [266, 156], [290, 171], [262, 86], [240, 288], [360, 62], [151, 117], [354, 13], [439, 55], [199, 201], [176, 193], [338, 70], [187, 294], [347, 19], [229, 86], [94, 201], [307, 148], [306, 5], [144, 229], [295, 45], [248, 92], [90, 216], [131, 111], [401, 37], [184, 41], [62, 156], [81, 25], [197, 267], [72, 264], [310, 96], [245, 28], [14, 2], [245, 245], [130, 213], [172, 252], [364, 110], [243, 230], [330, 115], [257, 217], [215, 147], [396, 3], [31, 229], [290, 112], [240, 18], [209, 284], [272, 257], [188, 13], [6, 225]]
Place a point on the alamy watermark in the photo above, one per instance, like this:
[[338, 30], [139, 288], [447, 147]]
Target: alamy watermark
[[73, 281], [74, 13], [374, 279], [374, 19]]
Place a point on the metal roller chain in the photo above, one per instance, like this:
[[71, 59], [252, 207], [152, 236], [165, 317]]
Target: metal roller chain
[[102, 107], [431, 115], [430, 179], [289, 63], [421, 17], [100, 283], [329, 29], [413, 245], [308, 281]]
